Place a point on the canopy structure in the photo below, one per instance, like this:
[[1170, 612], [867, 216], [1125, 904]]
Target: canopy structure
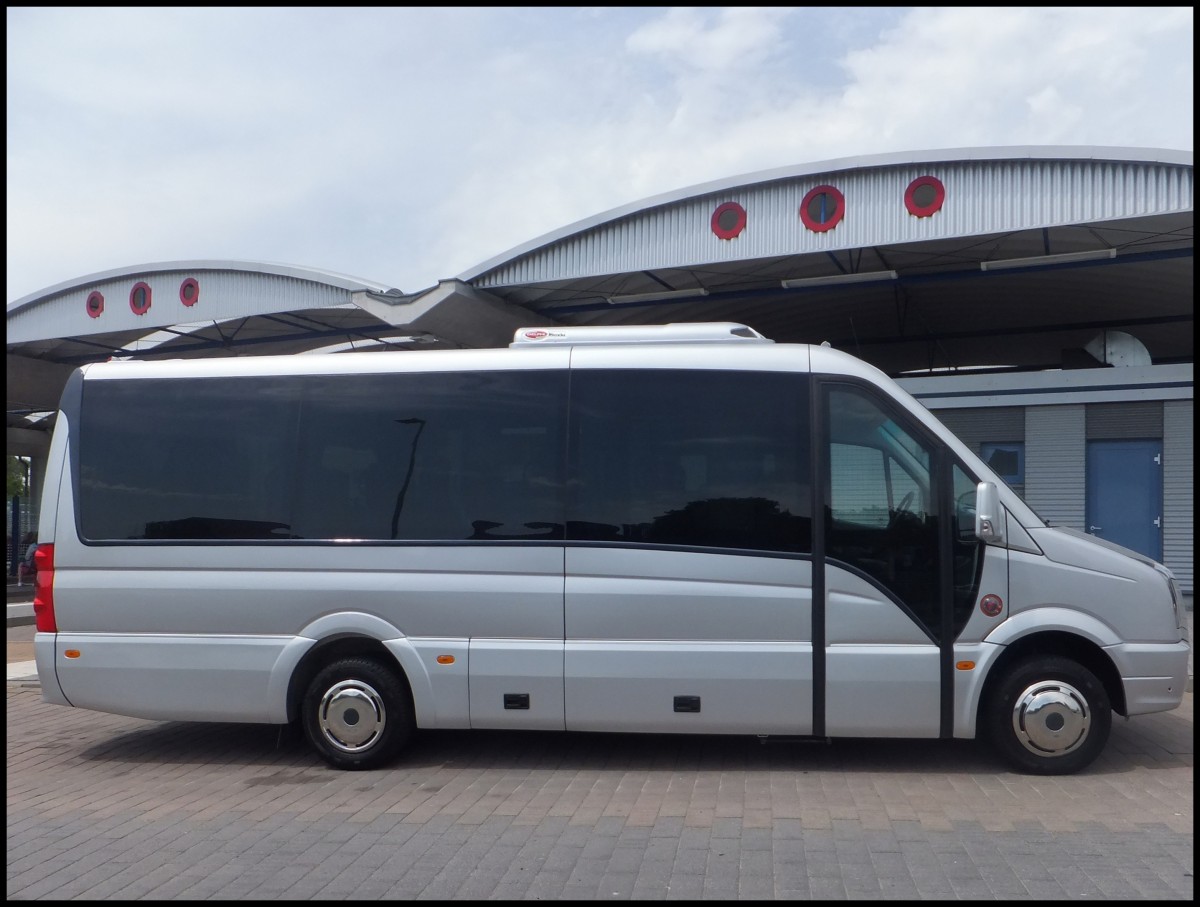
[[947, 262], [188, 309], [1038, 299], [1027, 258]]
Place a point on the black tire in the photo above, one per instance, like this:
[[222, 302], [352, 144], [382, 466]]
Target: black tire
[[1048, 715], [357, 713]]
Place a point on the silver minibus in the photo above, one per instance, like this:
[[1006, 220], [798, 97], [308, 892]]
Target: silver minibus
[[670, 529]]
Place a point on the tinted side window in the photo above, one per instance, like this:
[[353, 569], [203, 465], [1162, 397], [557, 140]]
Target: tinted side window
[[184, 459], [470, 455], [434, 456], [882, 513], [706, 458]]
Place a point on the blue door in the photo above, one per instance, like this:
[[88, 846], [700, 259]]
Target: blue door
[[1124, 494]]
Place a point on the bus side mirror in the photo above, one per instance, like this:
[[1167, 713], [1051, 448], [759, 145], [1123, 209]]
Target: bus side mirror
[[989, 518]]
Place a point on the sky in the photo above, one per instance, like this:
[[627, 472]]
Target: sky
[[407, 145]]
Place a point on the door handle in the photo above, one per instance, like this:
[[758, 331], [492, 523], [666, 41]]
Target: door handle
[[1094, 528]]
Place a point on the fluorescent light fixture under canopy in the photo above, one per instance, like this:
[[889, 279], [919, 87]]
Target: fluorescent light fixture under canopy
[[655, 297], [1040, 260], [858, 277]]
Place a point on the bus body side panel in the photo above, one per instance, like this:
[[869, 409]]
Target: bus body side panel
[[517, 683], [882, 670], [210, 624], [439, 688], [970, 648], [171, 678], [57, 479], [43, 655], [686, 642], [456, 591]]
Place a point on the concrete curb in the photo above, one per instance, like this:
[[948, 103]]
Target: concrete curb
[[20, 614]]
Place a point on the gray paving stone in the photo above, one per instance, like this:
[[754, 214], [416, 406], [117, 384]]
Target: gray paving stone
[[162, 811]]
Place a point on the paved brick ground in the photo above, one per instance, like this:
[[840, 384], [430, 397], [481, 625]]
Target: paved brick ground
[[104, 807]]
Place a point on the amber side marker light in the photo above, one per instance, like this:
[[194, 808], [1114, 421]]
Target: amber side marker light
[[72, 653], [965, 665], [445, 659]]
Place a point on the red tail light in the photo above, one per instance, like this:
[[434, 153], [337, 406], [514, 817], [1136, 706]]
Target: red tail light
[[43, 589]]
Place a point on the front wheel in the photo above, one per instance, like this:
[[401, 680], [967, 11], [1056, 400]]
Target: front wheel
[[1049, 716], [357, 713]]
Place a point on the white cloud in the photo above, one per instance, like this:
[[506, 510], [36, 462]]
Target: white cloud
[[970, 74], [406, 145], [720, 41]]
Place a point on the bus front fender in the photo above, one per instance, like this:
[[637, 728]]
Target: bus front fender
[[1053, 619]]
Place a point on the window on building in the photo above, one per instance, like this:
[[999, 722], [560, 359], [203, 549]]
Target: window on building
[[1007, 459]]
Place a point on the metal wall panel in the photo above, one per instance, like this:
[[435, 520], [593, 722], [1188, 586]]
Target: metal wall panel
[[1055, 458], [1097, 385], [1114, 421], [993, 424], [982, 197], [985, 424], [1178, 481]]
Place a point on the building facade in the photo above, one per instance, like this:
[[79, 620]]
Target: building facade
[[1038, 299]]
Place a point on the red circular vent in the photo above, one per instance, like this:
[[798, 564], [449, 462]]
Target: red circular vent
[[189, 291], [924, 196], [728, 220], [139, 298], [822, 209]]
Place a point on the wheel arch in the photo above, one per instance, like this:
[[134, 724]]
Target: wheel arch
[[355, 633], [330, 649], [1057, 643]]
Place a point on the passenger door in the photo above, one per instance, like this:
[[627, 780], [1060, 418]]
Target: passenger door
[[900, 569]]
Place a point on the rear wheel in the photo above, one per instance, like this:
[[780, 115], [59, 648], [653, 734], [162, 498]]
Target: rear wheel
[[1049, 716], [357, 713]]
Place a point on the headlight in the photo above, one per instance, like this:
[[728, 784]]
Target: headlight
[[1177, 600], [1176, 594]]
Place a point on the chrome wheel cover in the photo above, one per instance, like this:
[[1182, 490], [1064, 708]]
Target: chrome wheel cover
[[351, 716], [1051, 718]]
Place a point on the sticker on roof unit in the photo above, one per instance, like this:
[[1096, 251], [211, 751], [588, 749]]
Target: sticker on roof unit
[[543, 335]]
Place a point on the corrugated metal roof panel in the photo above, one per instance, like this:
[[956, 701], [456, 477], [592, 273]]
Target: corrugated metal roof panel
[[223, 295], [981, 197]]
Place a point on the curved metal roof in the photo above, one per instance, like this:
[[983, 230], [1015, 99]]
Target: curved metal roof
[[98, 307], [181, 310], [1028, 254], [185, 309], [312, 275], [1003, 158], [973, 275]]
